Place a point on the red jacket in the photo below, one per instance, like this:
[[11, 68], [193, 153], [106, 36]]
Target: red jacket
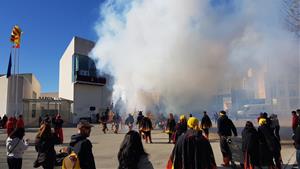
[[20, 123], [294, 121]]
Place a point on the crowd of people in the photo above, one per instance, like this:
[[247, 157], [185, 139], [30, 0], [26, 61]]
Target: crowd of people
[[192, 149]]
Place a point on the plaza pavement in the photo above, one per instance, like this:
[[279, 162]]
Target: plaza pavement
[[106, 146]]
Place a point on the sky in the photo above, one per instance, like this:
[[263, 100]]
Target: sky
[[48, 26]]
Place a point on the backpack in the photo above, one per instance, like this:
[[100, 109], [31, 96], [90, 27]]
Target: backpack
[[71, 161]]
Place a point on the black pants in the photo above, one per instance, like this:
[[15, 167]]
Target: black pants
[[206, 132], [14, 163], [277, 128]]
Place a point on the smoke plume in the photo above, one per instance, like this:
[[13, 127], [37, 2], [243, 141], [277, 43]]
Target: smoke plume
[[176, 56]]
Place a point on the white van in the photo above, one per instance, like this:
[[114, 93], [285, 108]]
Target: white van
[[253, 110]]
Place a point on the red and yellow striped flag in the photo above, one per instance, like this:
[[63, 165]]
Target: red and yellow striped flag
[[16, 36]]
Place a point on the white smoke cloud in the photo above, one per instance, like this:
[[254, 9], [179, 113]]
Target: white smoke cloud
[[182, 53]]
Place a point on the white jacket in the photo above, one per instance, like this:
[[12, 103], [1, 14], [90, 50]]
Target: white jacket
[[15, 147]]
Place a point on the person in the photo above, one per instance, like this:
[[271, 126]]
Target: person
[[139, 120], [294, 120], [181, 128], [44, 146], [225, 129], [297, 142], [146, 127], [10, 126], [275, 125], [4, 121], [116, 120], [15, 147], [170, 127], [104, 119], [192, 150], [132, 154], [250, 146], [269, 145], [58, 122], [129, 121], [46, 119], [20, 122], [206, 124], [82, 146]]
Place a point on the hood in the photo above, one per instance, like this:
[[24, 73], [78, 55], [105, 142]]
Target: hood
[[76, 138]]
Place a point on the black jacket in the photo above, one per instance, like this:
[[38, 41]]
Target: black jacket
[[225, 126], [46, 152], [250, 144], [297, 137], [171, 124], [193, 151], [206, 122], [83, 148]]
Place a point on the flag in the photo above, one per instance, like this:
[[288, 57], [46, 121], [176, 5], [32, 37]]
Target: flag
[[15, 37], [9, 67]]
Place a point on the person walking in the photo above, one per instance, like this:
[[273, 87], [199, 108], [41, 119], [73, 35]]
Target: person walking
[[82, 146], [250, 146], [170, 127], [206, 124], [297, 143], [44, 146], [225, 129], [132, 154], [192, 150], [15, 147]]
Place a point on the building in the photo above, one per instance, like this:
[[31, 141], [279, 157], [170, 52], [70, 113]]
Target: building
[[11, 102], [80, 82]]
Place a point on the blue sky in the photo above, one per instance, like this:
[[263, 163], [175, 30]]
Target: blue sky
[[48, 27]]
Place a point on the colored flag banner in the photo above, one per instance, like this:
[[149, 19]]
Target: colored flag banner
[[15, 37]]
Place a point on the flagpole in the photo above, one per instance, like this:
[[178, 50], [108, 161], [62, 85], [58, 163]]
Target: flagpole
[[17, 84]]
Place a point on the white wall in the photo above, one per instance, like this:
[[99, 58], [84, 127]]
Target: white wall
[[3, 95], [65, 73], [86, 96]]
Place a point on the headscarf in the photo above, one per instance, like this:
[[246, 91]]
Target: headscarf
[[262, 121], [193, 123]]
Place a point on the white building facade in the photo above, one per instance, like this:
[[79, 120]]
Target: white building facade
[[80, 82]]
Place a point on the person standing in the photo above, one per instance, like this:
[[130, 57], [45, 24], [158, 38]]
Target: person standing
[[4, 121], [206, 124], [294, 120], [250, 146], [132, 154], [269, 145], [170, 127], [10, 126], [146, 127], [44, 146], [82, 146], [20, 122], [139, 120], [58, 122], [275, 125], [129, 121], [15, 147], [181, 128], [225, 129], [192, 150]]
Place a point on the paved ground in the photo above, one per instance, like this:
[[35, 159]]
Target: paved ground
[[105, 148]]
